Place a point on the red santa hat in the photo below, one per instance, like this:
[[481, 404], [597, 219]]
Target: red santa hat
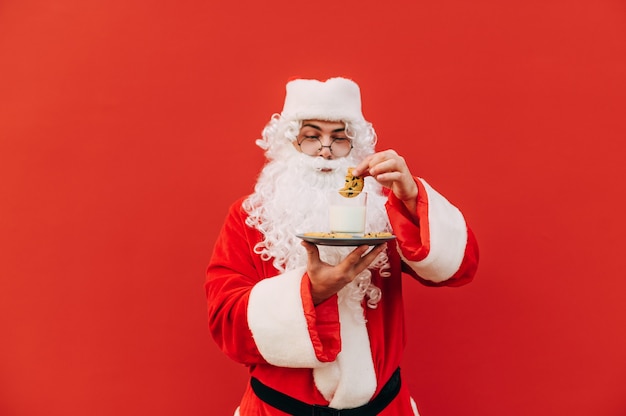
[[336, 99]]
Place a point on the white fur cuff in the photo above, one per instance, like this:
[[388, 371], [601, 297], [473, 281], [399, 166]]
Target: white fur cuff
[[448, 239], [276, 319]]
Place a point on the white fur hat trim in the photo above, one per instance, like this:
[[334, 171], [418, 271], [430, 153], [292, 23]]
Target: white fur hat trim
[[336, 99]]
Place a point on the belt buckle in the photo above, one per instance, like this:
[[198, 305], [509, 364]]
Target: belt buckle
[[325, 411]]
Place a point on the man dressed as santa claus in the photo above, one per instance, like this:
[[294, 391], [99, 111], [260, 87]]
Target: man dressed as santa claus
[[321, 327]]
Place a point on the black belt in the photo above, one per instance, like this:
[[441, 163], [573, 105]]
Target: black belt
[[296, 407]]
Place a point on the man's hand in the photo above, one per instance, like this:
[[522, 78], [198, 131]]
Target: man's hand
[[391, 171], [326, 280]]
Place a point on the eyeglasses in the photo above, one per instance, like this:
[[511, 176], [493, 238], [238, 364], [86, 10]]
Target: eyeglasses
[[312, 145]]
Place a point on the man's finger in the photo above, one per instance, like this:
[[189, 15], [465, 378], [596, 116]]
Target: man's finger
[[357, 253], [373, 253], [362, 169], [358, 256], [376, 250]]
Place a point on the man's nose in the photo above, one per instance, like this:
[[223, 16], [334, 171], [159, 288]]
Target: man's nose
[[325, 152]]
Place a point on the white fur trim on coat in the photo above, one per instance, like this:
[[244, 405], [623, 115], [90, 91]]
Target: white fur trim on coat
[[448, 239], [351, 380], [276, 319]]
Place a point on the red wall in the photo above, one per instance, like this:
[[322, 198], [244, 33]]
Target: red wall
[[127, 127]]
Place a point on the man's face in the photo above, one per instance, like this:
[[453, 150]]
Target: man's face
[[326, 139]]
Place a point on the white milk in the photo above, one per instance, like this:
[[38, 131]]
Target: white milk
[[347, 219]]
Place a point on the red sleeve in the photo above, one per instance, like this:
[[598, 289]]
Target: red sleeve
[[323, 323], [427, 236], [231, 275]]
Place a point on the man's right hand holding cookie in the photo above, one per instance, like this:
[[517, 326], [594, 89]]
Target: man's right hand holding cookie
[[391, 171]]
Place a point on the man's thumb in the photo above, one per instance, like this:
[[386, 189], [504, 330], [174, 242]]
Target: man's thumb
[[312, 251]]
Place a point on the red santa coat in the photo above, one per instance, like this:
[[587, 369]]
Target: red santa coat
[[322, 354]]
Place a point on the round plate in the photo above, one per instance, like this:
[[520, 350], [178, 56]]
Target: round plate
[[354, 241]]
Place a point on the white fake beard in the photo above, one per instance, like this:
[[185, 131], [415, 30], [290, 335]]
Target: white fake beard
[[291, 198]]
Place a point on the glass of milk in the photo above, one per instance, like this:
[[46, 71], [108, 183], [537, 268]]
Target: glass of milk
[[347, 215]]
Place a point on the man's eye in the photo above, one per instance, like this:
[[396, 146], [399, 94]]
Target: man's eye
[[311, 138], [340, 139]]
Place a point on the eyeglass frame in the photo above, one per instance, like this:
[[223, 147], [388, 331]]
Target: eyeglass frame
[[330, 148]]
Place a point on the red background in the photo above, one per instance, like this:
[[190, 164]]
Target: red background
[[127, 127]]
